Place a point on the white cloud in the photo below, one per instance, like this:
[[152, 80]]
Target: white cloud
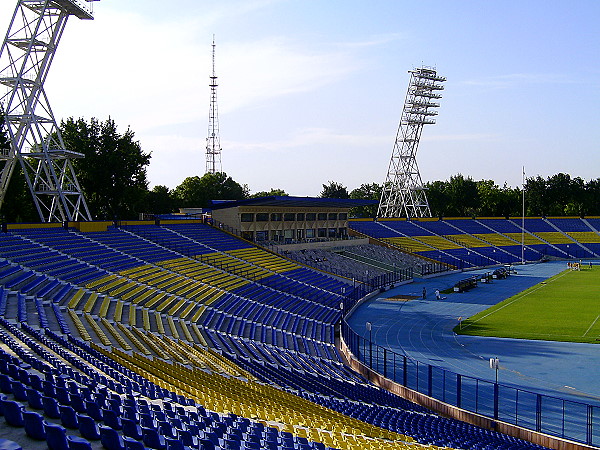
[[309, 137], [254, 72], [157, 74]]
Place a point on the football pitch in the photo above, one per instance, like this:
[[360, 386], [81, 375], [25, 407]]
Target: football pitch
[[565, 307]]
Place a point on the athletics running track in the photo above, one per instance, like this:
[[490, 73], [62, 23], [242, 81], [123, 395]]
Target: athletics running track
[[422, 330]]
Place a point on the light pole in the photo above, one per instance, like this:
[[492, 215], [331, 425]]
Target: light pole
[[369, 329], [495, 364]]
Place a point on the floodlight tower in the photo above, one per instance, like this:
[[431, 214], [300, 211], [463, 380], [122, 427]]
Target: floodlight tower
[[213, 141], [36, 142], [403, 194]]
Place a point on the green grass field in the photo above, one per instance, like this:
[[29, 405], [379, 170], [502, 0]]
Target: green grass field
[[565, 307]]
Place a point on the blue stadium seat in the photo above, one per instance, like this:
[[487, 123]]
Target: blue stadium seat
[[13, 412], [34, 425], [111, 439], [88, 427]]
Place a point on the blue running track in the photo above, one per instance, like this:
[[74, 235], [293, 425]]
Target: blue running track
[[422, 330]]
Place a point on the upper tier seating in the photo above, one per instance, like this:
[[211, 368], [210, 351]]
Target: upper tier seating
[[479, 242]]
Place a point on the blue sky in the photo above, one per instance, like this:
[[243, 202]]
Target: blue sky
[[311, 91]]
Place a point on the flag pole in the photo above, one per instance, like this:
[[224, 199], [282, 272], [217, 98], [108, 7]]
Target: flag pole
[[523, 221]]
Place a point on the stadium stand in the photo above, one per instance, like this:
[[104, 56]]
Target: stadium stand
[[183, 336], [465, 243]]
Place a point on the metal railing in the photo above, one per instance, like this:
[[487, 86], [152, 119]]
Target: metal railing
[[567, 419]]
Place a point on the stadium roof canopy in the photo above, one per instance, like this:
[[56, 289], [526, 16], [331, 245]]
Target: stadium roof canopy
[[293, 202]]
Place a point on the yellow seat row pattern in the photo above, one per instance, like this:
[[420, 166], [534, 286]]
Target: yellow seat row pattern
[[585, 237], [467, 241], [554, 237], [530, 239], [234, 265], [263, 403], [496, 239], [265, 259], [439, 242], [196, 270], [409, 244]]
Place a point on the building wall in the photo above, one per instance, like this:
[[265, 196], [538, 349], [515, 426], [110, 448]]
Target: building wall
[[285, 223]]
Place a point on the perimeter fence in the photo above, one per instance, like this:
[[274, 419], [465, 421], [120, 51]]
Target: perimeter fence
[[564, 418]]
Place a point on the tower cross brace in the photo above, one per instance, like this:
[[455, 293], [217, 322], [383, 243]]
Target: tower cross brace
[[213, 141], [36, 143], [403, 193]]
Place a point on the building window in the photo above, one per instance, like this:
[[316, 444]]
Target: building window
[[248, 235], [275, 217], [247, 217], [300, 217], [332, 232], [322, 216], [311, 217], [322, 232], [262, 235], [332, 216], [262, 217], [289, 217], [310, 233], [342, 216]]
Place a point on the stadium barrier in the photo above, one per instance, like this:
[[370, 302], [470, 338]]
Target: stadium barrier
[[540, 413]]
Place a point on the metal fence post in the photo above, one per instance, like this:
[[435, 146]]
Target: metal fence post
[[538, 413], [417, 373], [589, 429], [430, 381], [385, 363], [496, 400], [458, 389]]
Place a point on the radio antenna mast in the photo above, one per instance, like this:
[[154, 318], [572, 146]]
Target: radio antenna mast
[[213, 141]]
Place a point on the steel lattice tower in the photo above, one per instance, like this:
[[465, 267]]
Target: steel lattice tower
[[213, 142], [36, 142], [403, 194]]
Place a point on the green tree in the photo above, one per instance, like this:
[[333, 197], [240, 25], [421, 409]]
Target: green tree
[[271, 193], [463, 195], [334, 190], [18, 205], [437, 197], [536, 197], [510, 202], [113, 173], [160, 200], [197, 192], [367, 191], [591, 198]]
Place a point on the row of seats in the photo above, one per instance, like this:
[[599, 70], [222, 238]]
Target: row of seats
[[256, 368], [478, 242]]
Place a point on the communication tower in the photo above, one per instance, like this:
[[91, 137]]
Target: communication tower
[[403, 194], [35, 139], [213, 142]]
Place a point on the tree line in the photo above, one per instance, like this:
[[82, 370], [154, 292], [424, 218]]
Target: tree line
[[460, 196], [113, 176]]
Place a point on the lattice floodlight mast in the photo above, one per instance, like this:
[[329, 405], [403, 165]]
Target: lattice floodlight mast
[[213, 141], [35, 139], [403, 194]]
